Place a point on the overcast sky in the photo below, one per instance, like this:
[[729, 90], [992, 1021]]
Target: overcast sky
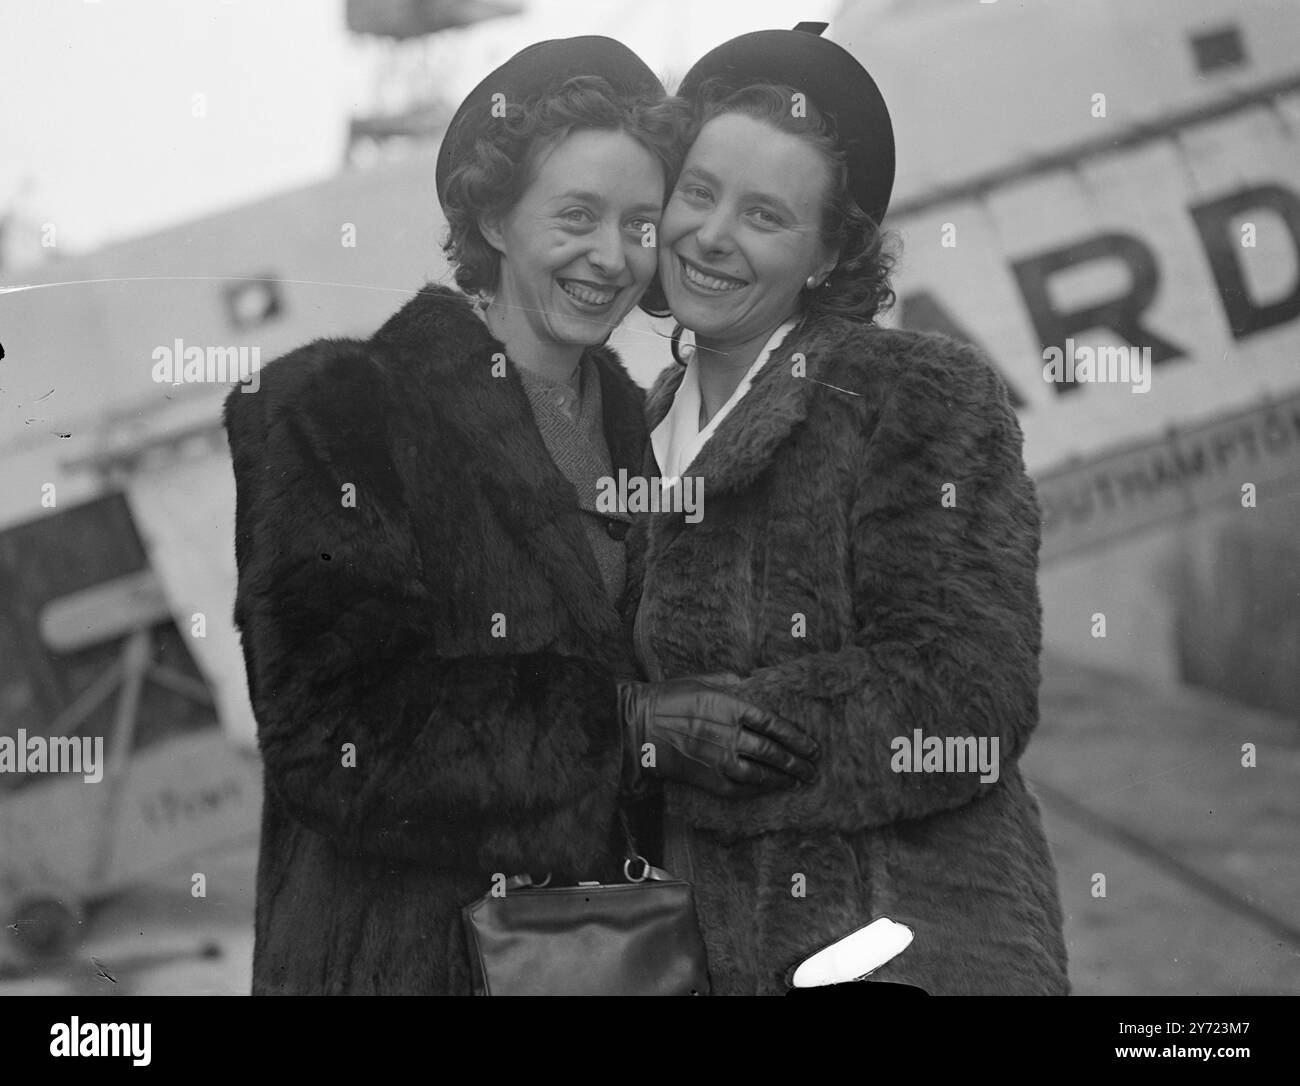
[[97, 97]]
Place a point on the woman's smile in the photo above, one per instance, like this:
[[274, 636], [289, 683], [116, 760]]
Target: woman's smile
[[589, 296], [707, 281]]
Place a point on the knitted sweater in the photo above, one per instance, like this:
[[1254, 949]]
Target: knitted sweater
[[570, 417]]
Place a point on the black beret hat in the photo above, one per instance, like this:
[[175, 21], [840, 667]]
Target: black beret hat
[[535, 71], [833, 81]]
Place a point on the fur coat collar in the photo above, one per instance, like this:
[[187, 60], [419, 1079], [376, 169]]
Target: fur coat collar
[[490, 418], [778, 400]]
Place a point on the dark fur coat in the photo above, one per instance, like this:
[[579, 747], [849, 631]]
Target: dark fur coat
[[410, 753], [830, 575]]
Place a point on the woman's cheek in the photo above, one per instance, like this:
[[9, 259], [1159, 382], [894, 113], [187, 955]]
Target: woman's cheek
[[564, 245], [663, 254]]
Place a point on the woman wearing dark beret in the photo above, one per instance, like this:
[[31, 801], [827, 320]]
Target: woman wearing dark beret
[[866, 563], [428, 593]]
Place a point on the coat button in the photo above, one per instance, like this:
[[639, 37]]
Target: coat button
[[617, 529]]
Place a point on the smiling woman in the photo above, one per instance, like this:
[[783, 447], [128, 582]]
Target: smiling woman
[[764, 202], [739, 291], [552, 212], [428, 591], [573, 262], [866, 571]]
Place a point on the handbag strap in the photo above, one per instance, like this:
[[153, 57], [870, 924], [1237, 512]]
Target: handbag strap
[[648, 870], [649, 873], [629, 841], [632, 853]]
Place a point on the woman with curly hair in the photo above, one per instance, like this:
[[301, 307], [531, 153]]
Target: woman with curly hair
[[428, 590], [865, 567]]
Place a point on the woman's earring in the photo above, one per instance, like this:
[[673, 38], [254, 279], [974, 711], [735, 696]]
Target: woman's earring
[[811, 282]]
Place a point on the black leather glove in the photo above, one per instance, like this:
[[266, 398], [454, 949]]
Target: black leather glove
[[702, 734]]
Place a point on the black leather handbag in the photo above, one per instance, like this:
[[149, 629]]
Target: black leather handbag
[[639, 937]]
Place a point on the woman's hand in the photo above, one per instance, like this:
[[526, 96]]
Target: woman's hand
[[696, 731]]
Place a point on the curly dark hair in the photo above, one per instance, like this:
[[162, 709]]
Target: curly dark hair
[[496, 161], [859, 285]]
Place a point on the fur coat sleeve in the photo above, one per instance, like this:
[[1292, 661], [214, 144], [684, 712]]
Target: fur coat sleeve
[[921, 500], [390, 720]]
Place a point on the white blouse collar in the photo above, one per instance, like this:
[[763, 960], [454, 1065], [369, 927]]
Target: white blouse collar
[[678, 439]]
